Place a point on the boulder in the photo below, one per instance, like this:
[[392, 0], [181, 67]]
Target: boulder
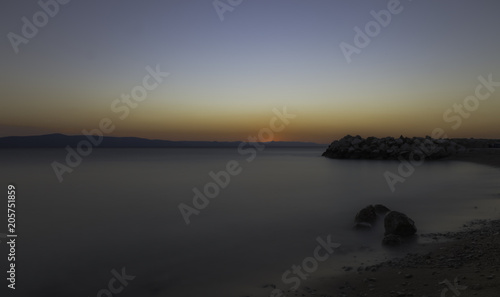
[[356, 141], [405, 148], [381, 209], [398, 223], [367, 215]]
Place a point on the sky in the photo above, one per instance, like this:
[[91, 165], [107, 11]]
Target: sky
[[231, 63]]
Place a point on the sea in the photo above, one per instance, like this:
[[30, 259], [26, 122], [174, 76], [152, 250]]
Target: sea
[[218, 221]]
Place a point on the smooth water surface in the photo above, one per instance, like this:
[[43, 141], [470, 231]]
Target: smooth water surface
[[119, 208]]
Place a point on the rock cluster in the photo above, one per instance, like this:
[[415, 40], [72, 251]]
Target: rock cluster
[[390, 148], [470, 256], [397, 225]]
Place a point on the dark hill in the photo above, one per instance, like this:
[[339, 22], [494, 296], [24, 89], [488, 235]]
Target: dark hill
[[61, 140]]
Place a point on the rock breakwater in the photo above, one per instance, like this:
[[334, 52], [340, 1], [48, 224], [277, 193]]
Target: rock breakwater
[[390, 148]]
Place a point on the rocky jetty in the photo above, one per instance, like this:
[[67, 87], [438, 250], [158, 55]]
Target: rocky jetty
[[390, 148]]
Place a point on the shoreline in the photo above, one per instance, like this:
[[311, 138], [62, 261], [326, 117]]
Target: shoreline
[[462, 263], [469, 264], [465, 262]]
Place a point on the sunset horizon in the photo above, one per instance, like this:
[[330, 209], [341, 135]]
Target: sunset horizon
[[376, 73]]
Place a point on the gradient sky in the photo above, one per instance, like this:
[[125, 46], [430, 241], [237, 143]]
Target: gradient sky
[[227, 76]]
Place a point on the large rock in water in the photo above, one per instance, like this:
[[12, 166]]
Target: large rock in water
[[366, 215], [399, 224], [381, 209]]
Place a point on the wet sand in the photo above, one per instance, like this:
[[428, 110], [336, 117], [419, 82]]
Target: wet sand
[[468, 266]]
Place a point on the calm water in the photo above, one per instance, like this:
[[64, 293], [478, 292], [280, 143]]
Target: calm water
[[119, 208]]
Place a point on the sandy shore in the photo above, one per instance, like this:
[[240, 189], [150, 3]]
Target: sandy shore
[[465, 263], [466, 266]]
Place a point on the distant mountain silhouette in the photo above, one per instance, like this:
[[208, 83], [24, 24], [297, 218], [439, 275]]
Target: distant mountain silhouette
[[61, 140]]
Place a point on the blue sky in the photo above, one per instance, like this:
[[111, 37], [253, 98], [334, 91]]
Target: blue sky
[[227, 76]]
